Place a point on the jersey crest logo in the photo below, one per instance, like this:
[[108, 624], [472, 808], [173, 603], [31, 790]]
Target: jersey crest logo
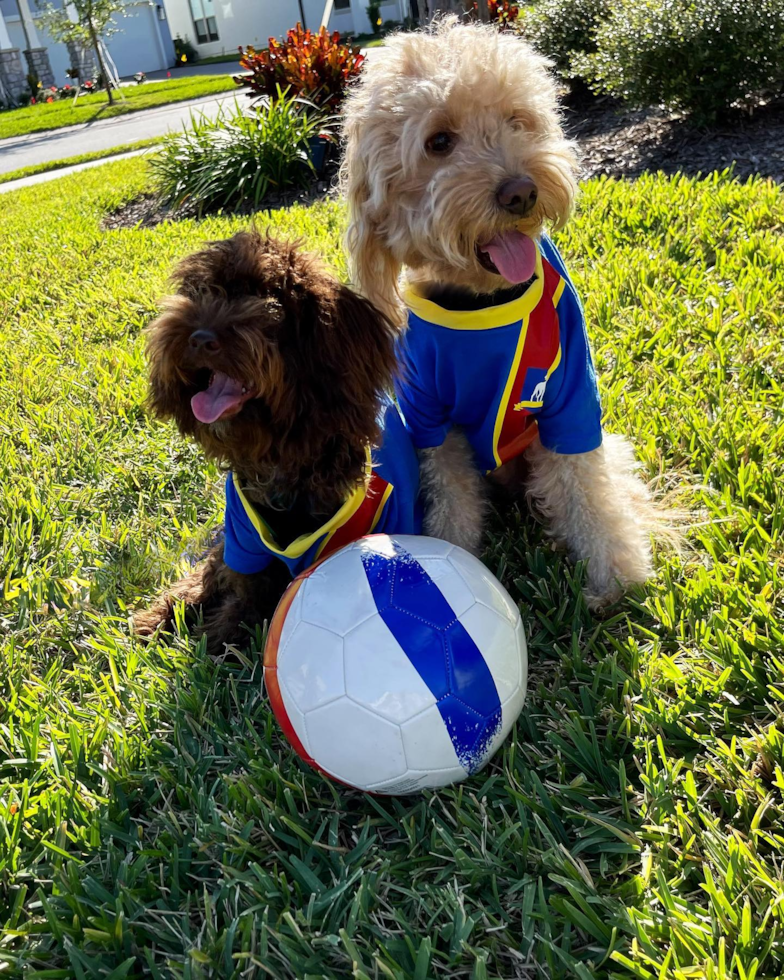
[[533, 389]]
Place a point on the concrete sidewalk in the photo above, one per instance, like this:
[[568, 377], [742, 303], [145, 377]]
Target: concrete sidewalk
[[14, 185]]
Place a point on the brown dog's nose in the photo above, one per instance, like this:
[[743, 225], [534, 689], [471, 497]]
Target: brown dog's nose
[[518, 196], [204, 340]]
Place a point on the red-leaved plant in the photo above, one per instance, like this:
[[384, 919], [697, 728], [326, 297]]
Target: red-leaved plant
[[317, 67], [502, 13]]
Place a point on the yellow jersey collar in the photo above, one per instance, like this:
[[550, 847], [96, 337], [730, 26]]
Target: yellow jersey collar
[[486, 319], [300, 545]]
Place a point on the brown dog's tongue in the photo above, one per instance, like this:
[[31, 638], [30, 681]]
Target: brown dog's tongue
[[223, 394], [513, 254]]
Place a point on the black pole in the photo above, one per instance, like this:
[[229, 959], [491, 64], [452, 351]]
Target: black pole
[[302, 15]]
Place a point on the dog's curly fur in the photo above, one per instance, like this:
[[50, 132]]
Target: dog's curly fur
[[413, 209], [314, 357], [426, 213]]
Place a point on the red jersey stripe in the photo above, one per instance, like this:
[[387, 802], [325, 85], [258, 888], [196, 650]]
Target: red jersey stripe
[[538, 348]]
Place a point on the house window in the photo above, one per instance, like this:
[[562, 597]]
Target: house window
[[206, 30], [342, 5], [204, 23]]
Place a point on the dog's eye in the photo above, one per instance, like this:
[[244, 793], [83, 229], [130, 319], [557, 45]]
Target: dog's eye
[[440, 143], [523, 120]]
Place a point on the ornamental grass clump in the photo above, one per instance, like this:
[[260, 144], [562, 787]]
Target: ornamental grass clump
[[242, 154]]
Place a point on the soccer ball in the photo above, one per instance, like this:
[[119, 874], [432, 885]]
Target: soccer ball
[[396, 664]]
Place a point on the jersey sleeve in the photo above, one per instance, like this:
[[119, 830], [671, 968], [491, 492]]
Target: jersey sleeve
[[243, 549], [426, 418], [570, 420]]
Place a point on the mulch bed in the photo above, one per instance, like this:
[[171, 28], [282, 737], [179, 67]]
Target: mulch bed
[[149, 210], [613, 140], [620, 142]]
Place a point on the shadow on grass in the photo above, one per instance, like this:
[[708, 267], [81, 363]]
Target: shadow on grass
[[216, 852]]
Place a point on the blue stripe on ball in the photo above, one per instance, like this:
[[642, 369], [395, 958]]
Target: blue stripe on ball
[[440, 648]]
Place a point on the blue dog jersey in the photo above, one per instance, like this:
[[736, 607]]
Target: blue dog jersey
[[504, 372], [387, 505]]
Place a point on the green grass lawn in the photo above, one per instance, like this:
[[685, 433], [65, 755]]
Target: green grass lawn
[[365, 40], [42, 168], [219, 59], [53, 115], [153, 822]]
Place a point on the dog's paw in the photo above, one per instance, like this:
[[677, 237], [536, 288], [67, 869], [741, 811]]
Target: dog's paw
[[612, 574], [454, 494], [598, 596], [147, 622], [454, 528]]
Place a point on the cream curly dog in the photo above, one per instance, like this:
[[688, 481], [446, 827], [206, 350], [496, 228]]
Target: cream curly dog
[[455, 166]]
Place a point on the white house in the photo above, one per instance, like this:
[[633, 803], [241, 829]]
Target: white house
[[217, 27], [143, 43]]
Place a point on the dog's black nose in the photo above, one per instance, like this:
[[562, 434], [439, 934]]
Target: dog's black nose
[[204, 340], [518, 196]]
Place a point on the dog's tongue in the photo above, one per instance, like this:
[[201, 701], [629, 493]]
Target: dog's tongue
[[513, 254], [223, 393]]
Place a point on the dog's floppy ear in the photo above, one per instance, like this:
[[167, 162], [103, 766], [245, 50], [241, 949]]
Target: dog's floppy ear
[[367, 338], [374, 270], [344, 368], [164, 397]]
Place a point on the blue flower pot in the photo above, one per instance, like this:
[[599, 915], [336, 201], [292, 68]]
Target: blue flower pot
[[318, 152]]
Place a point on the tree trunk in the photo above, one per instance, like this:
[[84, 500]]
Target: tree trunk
[[101, 66], [422, 6], [484, 13]]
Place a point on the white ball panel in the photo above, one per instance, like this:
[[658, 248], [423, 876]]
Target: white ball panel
[[427, 742], [497, 741], [450, 583], [484, 585], [423, 548], [496, 638], [511, 708], [337, 595], [414, 781], [375, 544], [293, 616], [297, 719], [380, 676], [510, 712], [310, 666], [354, 745], [522, 652]]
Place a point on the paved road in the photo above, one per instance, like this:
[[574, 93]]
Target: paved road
[[191, 71], [58, 144]]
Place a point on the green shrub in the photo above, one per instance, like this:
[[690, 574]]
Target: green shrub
[[563, 29], [240, 155], [373, 11], [184, 51], [700, 57]]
